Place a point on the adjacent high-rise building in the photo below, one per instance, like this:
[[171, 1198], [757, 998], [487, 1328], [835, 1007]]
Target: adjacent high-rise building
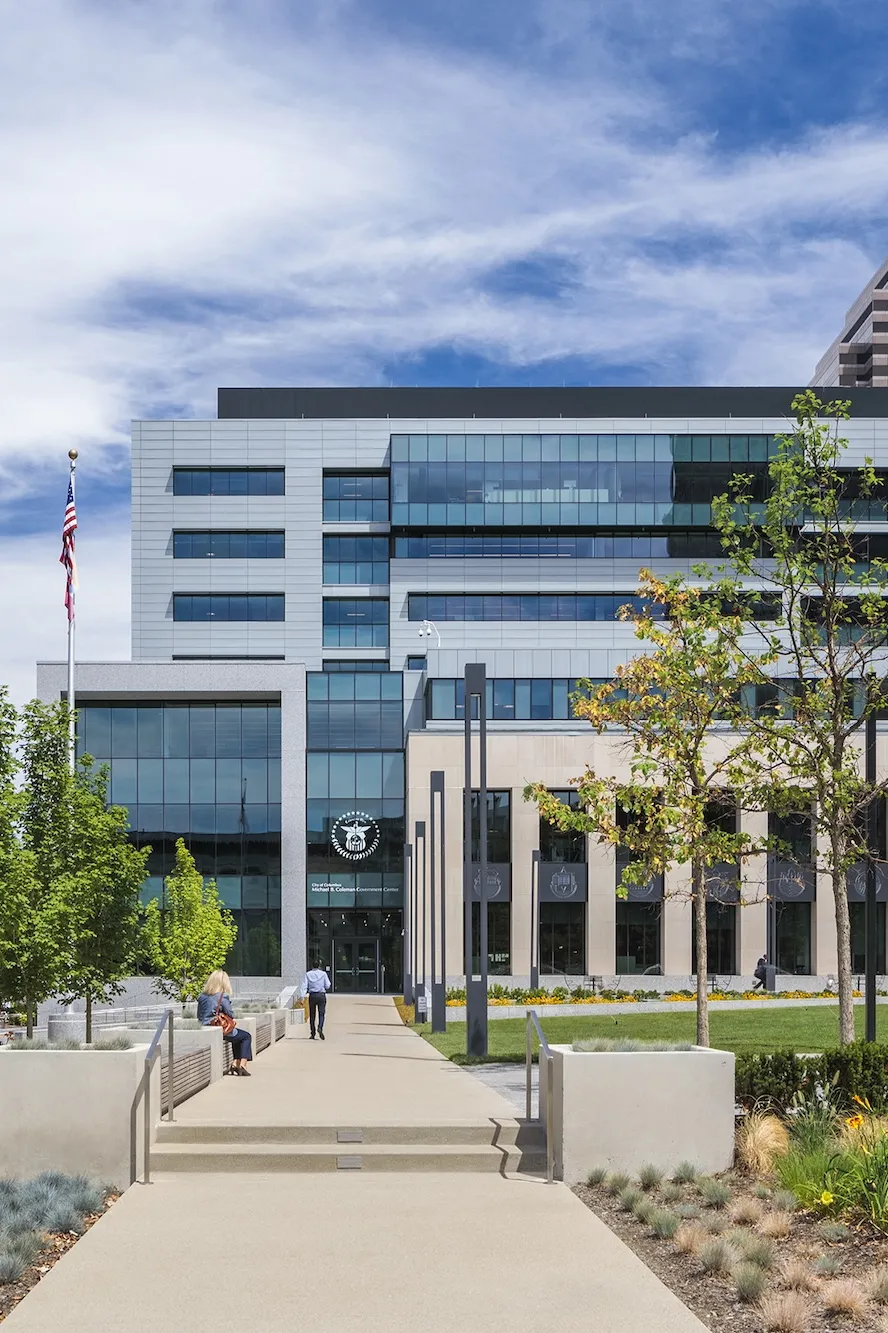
[[313, 571], [858, 359]]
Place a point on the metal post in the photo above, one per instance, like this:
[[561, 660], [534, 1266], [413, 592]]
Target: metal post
[[439, 978], [871, 909], [419, 877], [528, 1070], [408, 924], [476, 991], [147, 1143], [534, 920], [172, 1114]]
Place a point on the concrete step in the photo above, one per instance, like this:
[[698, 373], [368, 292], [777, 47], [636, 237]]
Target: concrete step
[[274, 1157], [350, 1138]]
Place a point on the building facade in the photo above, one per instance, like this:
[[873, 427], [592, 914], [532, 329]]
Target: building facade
[[312, 572], [858, 359]]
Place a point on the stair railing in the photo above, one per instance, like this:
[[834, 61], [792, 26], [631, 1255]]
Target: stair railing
[[545, 1053], [150, 1059]]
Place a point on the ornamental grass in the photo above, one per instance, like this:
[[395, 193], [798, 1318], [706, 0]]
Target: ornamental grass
[[776, 1226], [798, 1276], [845, 1296], [761, 1138], [787, 1312], [749, 1281]]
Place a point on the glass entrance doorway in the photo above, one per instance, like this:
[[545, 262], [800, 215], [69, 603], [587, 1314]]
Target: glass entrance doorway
[[356, 965]]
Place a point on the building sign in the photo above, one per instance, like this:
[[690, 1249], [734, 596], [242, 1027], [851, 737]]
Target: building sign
[[790, 882], [355, 835], [652, 892], [562, 883], [499, 883], [856, 880], [723, 883]]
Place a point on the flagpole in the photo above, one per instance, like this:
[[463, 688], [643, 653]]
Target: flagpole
[[72, 736]]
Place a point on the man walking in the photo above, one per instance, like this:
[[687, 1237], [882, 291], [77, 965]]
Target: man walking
[[760, 974], [315, 985]]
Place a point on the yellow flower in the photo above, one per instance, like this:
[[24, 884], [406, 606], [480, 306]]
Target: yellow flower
[[826, 1198], [854, 1121]]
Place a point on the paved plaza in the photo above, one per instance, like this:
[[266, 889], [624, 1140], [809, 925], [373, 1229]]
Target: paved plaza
[[264, 1245]]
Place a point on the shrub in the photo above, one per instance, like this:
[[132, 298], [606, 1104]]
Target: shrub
[[41, 1044], [622, 1045], [116, 1043], [630, 1197], [776, 1225], [685, 1173], [649, 1176], [815, 1116], [845, 1296], [878, 1286], [616, 1182], [671, 1193], [664, 1223], [718, 1255], [773, 1078], [749, 1281], [810, 1175], [714, 1193], [797, 1275], [860, 1069], [786, 1312], [760, 1139], [832, 1232], [828, 1265], [12, 1266], [747, 1212], [690, 1238], [596, 1175]]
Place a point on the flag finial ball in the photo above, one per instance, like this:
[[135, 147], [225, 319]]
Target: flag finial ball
[[72, 454]]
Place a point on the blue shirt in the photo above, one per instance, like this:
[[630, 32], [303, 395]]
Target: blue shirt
[[315, 982], [207, 1006]]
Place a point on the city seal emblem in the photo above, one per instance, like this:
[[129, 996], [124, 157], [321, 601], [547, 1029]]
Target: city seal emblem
[[563, 884], [355, 835]]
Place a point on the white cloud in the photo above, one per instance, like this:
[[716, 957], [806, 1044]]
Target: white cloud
[[32, 598]]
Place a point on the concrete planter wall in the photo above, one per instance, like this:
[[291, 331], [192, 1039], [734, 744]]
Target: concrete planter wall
[[74, 1111], [622, 1109]]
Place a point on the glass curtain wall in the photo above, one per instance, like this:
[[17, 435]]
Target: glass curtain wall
[[562, 926], [211, 774]]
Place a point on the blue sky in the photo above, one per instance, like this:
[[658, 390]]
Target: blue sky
[[202, 192]]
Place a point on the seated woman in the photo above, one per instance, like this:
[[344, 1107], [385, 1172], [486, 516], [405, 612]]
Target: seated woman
[[216, 999]]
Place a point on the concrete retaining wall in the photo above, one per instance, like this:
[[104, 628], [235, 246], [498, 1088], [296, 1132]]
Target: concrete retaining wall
[[622, 1109]]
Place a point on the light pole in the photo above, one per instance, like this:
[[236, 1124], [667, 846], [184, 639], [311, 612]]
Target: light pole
[[436, 820], [408, 923], [534, 919], [419, 878], [871, 914], [476, 991]]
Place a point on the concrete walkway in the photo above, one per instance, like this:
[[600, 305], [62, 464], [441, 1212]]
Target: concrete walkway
[[351, 1250]]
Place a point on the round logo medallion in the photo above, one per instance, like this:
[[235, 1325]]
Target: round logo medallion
[[563, 884], [494, 883], [355, 835]]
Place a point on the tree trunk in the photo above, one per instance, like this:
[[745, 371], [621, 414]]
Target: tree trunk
[[843, 948], [698, 875], [89, 1019], [29, 1017]]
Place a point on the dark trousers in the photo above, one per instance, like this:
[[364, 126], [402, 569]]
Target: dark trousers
[[317, 1010], [241, 1044]]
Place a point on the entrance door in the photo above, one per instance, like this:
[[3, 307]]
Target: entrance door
[[356, 966]]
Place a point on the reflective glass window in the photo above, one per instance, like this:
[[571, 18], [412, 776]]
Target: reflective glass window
[[562, 938], [228, 481], [246, 545], [355, 622], [228, 606], [356, 497], [356, 559], [638, 938]]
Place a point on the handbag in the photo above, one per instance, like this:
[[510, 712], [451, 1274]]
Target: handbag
[[220, 1020]]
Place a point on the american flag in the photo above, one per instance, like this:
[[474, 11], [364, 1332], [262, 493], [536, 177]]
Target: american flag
[[69, 527]]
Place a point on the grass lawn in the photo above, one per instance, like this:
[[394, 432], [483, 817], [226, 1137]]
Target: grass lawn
[[812, 1028]]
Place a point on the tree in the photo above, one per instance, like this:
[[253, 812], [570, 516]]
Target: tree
[[192, 934], [666, 703], [99, 892], [804, 539]]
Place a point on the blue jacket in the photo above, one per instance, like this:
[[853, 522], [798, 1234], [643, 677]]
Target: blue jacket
[[207, 1005]]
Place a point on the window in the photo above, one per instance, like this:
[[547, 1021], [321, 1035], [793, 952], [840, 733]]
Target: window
[[858, 937], [499, 939], [356, 623], [439, 607], [344, 664], [416, 664], [794, 832], [563, 939], [210, 773], [224, 606], [356, 497], [356, 559], [360, 711], [793, 926], [510, 481], [721, 939], [499, 836], [228, 481], [507, 700], [638, 938], [562, 845], [656, 544], [228, 545]]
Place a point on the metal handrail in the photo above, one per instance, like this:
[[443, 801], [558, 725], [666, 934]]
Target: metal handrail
[[150, 1057], [545, 1050]]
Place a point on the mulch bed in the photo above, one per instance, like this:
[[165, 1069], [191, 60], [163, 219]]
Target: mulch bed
[[711, 1297], [57, 1246]]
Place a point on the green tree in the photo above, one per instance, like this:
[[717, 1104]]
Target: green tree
[[100, 893], [192, 934], [660, 712], [806, 540]]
